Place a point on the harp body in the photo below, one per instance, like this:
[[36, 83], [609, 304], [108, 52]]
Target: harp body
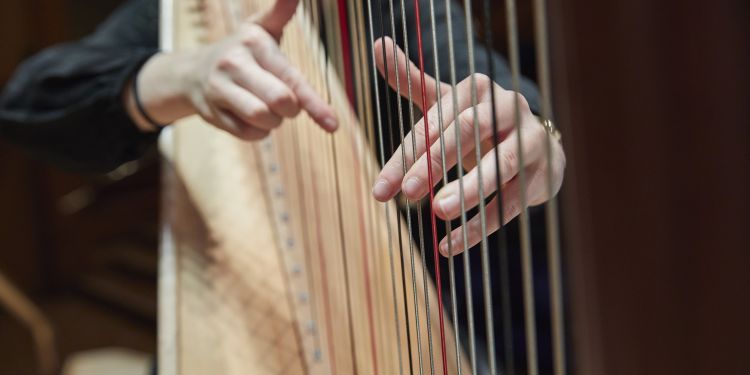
[[248, 256]]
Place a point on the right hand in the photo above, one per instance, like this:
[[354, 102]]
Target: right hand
[[245, 85]]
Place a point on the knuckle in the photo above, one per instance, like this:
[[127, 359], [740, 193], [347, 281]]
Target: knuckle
[[466, 125], [230, 60], [257, 116], [252, 36], [293, 77], [213, 89], [475, 229], [511, 210], [483, 81], [418, 132], [509, 161], [436, 162], [523, 104], [252, 134], [280, 98]]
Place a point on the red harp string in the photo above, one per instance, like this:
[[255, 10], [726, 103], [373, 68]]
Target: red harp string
[[431, 180]]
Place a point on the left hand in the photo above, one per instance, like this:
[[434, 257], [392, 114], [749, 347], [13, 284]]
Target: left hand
[[414, 183]]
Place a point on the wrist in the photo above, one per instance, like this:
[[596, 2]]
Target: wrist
[[162, 88]]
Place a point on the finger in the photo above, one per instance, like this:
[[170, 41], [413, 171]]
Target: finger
[[416, 180], [274, 20], [384, 51], [247, 108], [416, 183], [270, 57], [389, 180], [227, 121], [447, 200], [264, 85], [511, 209]]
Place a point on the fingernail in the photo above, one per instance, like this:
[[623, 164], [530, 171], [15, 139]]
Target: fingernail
[[448, 204], [412, 187], [444, 248], [331, 123], [454, 246], [381, 190]]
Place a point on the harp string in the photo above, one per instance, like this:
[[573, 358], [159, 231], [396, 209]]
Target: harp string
[[386, 205], [322, 259], [430, 179], [502, 242], [405, 168], [235, 13], [420, 222], [329, 32], [316, 15], [364, 109], [484, 251], [345, 49], [448, 226], [526, 251], [306, 240], [420, 226], [551, 212], [462, 199], [392, 150], [357, 156]]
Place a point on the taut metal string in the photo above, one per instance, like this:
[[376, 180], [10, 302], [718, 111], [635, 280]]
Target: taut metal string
[[386, 204], [337, 183], [526, 253], [464, 230], [404, 167], [502, 242], [432, 196], [551, 213], [448, 227], [389, 115], [364, 248], [480, 191], [420, 222]]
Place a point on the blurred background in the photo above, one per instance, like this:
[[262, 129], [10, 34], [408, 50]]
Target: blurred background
[[83, 249]]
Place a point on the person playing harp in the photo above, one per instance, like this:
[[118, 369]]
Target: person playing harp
[[94, 104], [82, 94]]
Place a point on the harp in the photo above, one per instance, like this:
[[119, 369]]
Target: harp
[[275, 260]]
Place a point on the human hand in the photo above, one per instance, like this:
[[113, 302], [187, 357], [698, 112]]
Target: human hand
[[414, 184], [242, 84]]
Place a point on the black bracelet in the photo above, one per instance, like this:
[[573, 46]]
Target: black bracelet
[[139, 105]]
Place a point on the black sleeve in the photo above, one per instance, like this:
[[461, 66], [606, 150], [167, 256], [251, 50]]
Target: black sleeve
[[502, 74], [64, 104]]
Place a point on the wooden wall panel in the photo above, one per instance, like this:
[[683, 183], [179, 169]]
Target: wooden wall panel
[[653, 100]]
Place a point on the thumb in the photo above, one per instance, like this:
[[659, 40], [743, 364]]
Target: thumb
[[274, 19], [384, 49]]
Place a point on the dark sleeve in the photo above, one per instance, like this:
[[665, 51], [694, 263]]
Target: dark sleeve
[[501, 74], [64, 104]]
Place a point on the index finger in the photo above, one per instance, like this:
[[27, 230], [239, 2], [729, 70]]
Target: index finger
[[389, 180], [269, 56]]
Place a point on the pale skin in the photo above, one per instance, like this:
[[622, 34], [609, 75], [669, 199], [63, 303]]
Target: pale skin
[[415, 185], [243, 84]]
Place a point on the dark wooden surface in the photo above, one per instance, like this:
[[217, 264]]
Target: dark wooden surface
[[654, 102]]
